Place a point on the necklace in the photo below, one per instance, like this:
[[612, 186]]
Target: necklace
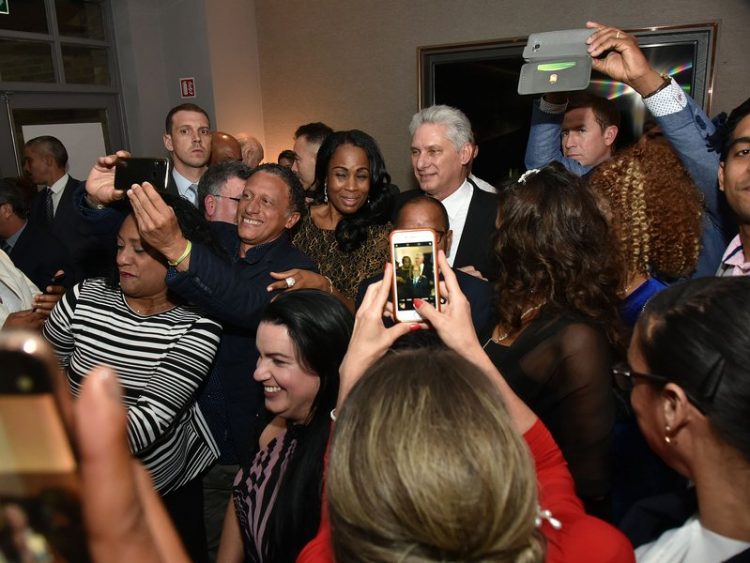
[[500, 337], [155, 310], [633, 282]]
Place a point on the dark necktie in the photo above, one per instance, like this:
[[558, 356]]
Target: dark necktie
[[48, 205], [5, 247]]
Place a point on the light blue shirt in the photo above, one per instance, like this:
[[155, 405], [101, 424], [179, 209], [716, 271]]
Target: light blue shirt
[[184, 187]]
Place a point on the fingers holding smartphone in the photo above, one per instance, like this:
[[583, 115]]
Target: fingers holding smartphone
[[414, 264], [100, 184], [453, 324], [45, 302]]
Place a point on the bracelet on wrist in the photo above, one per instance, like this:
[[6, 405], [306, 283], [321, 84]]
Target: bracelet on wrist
[[667, 80], [182, 257], [93, 204], [330, 285]]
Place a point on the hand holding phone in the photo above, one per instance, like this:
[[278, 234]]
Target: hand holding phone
[[45, 302], [100, 183], [414, 259]]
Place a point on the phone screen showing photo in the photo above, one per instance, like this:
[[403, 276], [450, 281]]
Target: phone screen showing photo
[[414, 269]]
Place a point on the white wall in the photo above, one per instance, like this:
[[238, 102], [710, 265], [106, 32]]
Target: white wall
[[157, 44], [235, 67]]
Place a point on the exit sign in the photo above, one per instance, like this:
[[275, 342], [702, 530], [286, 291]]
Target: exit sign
[[187, 87]]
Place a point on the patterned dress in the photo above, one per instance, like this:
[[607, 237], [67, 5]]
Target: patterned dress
[[346, 270], [255, 491]]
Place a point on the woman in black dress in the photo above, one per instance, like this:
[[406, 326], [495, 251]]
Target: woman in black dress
[[556, 317]]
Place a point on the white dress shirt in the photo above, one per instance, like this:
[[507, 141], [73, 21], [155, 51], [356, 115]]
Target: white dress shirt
[[57, 191], [457, 206]]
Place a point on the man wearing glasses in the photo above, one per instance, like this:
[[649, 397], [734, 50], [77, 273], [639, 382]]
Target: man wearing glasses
[[220, 189]]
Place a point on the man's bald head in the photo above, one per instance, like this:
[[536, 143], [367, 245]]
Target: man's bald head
[[252, 150], [224, 147]]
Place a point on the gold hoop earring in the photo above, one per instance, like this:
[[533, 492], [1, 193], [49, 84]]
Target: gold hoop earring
[[667, 437]]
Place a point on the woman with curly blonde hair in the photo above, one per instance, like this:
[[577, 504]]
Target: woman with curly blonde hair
[[656, 213]]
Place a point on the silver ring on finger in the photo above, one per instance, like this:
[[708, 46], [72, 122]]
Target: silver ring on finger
[[618, 35], [290, 281]]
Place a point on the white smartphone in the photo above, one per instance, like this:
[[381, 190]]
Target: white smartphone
[[415, 272], [40, 490]]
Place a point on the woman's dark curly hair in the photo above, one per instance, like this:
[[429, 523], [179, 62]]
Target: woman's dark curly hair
[[656, 209], [553, 244], [193, 225], [351, 231]]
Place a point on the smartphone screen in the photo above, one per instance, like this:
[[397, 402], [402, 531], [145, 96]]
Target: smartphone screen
[[40, 509], [129, 171], [414, 268]]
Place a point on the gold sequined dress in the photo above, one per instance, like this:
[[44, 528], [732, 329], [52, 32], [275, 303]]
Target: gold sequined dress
[[345, 270]]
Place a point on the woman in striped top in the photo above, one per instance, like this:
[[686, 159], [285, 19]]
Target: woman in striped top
[[162, 351], [302, 337]]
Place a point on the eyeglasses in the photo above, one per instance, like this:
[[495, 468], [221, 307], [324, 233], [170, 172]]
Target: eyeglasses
[[624, 377], [234, 199], [440, 235]]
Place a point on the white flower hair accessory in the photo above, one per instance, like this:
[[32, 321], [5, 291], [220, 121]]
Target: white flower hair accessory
[[526, 175], [542, 515]]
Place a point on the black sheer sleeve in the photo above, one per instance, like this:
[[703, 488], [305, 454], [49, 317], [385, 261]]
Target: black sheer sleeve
[[560, 368]]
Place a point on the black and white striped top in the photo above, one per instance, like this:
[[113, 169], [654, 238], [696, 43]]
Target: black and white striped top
[[160, 361]]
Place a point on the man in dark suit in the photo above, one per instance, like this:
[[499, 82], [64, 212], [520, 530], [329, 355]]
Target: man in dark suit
[[45, 161], [187, 137], [421, 279], [31, 247], [423, 212], [441, 153]]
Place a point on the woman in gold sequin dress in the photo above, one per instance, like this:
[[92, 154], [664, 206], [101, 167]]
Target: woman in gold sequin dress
[[346, 231]]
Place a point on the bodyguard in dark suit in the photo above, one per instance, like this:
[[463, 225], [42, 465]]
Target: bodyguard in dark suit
[[32, 248], [187, 137], [45, 162], [441, 153]]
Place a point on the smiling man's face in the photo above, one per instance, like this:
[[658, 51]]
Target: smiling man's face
[[439, 167], [264, 212], [734, 172]]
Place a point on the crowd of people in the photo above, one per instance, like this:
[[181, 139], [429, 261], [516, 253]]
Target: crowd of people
[[578, 394]]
